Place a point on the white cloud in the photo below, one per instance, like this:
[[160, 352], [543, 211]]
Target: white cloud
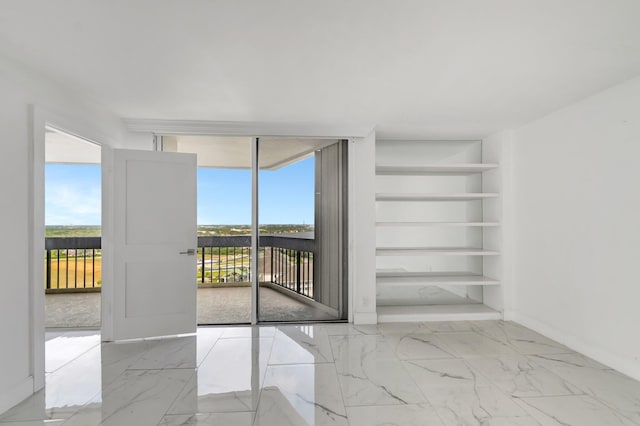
[[68, 205]]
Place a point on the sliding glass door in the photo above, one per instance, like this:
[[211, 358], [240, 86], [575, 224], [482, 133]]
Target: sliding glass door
[[301, 227], [295, 271], [224, 225]]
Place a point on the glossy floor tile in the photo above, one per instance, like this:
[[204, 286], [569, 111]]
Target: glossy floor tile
[[67, 347], [522, 377], [300, 395], [231, 376], [474, 406], [573, 410], [450, 373], [212, 419], [383, 415], [523, 340], [417, 344], [301, 345]]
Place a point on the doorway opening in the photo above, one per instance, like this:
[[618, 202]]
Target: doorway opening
[[73, 256], [224, 225], [301, 258]]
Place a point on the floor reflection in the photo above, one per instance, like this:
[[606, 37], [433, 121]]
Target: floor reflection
[[329, 374], [214, 377]]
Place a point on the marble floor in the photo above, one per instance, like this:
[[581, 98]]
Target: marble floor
[[451, 373]]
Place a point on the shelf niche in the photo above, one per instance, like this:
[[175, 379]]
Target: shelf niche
[[432, 225]]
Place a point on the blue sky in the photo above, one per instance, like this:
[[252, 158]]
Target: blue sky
[[72, 195]]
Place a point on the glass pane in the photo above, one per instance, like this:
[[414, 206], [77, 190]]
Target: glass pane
[[300, 222], [224, 225]]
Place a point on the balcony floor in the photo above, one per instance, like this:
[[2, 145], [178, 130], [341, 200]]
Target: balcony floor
[[215, 306]]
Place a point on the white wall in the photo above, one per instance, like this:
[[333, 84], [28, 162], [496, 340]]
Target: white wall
[[577, 231], [362, 236], [20, 88], [498, 149]]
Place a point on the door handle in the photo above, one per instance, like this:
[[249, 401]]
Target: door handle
[[190, 252]]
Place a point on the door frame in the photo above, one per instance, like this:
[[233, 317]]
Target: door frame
[[41, 118]]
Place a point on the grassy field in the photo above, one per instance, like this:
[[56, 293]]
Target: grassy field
[[71, 231], [203, 230], [76, 272]]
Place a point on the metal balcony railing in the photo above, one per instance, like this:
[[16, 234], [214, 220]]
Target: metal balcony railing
[[75, 264], [286, 261]]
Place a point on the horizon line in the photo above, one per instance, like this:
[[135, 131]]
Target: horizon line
[[220, 224]]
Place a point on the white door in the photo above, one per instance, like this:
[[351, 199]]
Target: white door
[[150, 245]]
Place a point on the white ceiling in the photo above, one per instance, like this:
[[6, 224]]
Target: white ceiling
[[235, 152], [450, 68], [62, 148]]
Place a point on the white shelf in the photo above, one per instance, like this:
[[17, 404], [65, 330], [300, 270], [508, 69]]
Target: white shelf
[[444, 224], [470, 312], [435, 197], [438, 200], [441, 251], [420, 279], [434, 169]]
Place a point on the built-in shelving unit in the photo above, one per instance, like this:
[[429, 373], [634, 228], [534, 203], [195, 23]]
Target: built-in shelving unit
[[434, 231]]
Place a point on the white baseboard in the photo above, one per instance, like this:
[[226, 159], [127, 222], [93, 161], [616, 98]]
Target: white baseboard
[[364, 318], [16, 394], [509, 315], [604, 356]]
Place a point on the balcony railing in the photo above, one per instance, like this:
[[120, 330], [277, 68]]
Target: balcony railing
[[291, 262], [75, 264]]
